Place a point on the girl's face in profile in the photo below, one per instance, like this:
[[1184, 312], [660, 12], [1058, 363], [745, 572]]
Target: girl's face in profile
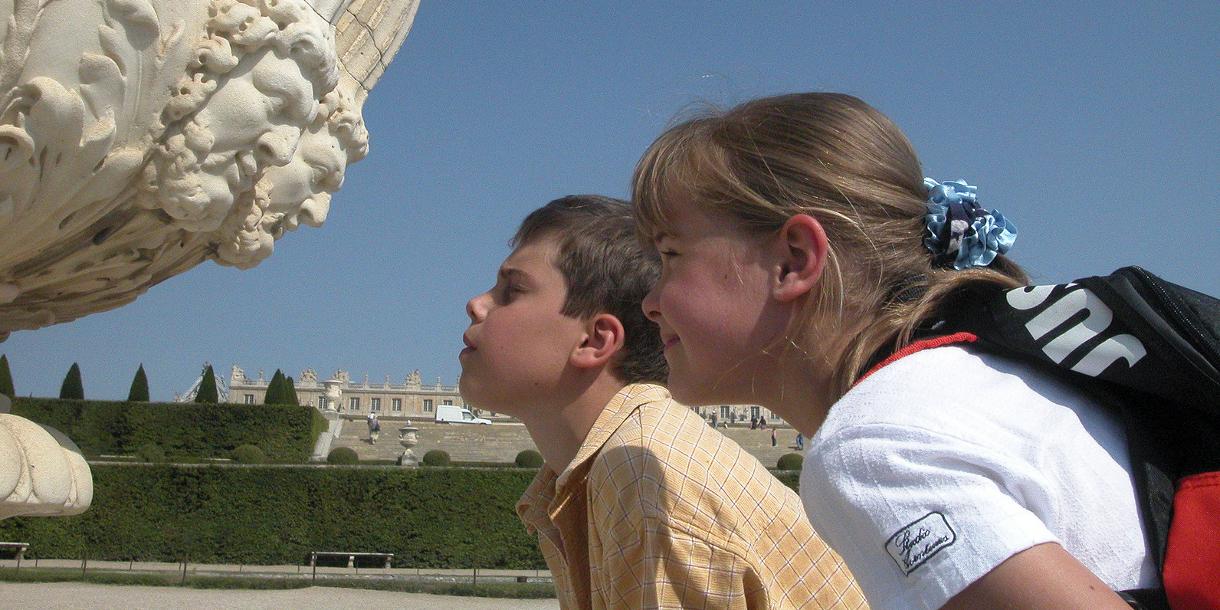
[[713, 305]]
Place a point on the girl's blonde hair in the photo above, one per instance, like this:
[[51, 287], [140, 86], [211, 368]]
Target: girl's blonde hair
[[836, 158]]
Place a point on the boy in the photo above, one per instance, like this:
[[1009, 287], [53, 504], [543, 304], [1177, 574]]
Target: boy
[[639, 503]]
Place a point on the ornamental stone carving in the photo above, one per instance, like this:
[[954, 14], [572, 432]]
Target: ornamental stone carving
[[42, 472], [139, 138]]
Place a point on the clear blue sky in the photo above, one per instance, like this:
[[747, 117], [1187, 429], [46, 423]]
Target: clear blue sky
[[1093, 125]]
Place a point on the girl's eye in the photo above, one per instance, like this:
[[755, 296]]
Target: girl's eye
[[668, 253]]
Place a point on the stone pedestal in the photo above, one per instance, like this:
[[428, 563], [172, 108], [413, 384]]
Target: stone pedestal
[[408, 438], [42, 471]]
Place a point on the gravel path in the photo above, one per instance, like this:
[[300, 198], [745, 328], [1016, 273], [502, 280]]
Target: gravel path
[[83, 596]]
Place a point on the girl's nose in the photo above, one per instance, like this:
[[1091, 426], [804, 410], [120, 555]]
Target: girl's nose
[[651, 305]]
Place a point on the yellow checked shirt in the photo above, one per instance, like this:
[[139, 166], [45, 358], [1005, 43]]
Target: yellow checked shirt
[[658, 510]]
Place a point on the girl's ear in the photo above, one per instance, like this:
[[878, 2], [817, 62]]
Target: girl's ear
[[802, 252], [604, 338]]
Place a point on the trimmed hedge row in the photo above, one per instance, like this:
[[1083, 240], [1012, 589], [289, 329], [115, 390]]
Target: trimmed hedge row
[[427, 517], [283, 433], [445, 518]]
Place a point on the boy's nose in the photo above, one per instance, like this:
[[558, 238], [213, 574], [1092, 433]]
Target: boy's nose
[[476, 307]]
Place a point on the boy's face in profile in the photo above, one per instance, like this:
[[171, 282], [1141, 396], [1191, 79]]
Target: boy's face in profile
[[518, 342]]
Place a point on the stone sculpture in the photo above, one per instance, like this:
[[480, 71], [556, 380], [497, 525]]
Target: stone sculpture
[[139, 138], [42, 472]]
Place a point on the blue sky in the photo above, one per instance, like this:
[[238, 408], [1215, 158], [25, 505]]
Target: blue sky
[[1092, 125]]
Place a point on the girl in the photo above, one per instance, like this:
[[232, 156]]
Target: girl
[[801, 247]]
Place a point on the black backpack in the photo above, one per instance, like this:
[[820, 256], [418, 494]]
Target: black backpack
[[1151, 349]]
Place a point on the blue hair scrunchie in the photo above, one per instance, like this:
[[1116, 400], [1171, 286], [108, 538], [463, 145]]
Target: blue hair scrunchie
[[960, 231]]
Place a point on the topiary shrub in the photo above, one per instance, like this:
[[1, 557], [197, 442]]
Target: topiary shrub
[[73, 388], [343, 456], [208, 392], [436, 457], [151, 452], [6, 378], [276, 392], [528, 459], [790, 461], [139, 386], [249, 454]]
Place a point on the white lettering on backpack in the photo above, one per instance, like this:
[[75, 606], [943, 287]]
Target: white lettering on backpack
[[1099, 316]]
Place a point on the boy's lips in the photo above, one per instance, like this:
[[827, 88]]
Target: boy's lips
[[468, 343]]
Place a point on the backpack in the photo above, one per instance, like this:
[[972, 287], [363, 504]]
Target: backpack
[[1151, 349]]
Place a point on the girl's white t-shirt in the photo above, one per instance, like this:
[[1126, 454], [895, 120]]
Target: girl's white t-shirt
[[938, 467]]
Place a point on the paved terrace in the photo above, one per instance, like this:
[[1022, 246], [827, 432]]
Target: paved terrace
[[501, 442]]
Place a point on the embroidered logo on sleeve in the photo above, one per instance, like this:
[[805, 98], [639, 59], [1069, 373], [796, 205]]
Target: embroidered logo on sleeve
[[912, 545]]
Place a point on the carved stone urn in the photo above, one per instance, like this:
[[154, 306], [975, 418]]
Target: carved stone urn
[[139, 138], [408, 438]]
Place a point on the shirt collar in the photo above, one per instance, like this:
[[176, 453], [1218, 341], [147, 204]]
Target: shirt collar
[[539, 500]]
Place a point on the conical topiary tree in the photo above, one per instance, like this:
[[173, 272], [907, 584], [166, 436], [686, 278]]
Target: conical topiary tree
[[291, 394], [73, 387], [6, 378], [275, 389], [207, 387], [139, 386]]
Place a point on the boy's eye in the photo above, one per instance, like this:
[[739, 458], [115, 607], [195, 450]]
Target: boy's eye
[[667, 253]]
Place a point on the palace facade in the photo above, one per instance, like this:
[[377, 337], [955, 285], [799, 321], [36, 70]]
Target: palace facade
[[412, 398]]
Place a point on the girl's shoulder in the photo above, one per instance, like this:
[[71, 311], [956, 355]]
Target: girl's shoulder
[[960, 392]]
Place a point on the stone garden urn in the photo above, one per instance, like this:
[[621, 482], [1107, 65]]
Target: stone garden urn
[[408, 438]]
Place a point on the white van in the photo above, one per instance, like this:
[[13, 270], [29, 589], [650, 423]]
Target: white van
[[453, 414]]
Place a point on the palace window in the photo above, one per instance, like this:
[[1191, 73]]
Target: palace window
[[755, 412], [374, 404], [249, 398], [447, 401], [396, 404], [354, 403], [724, 411], [322, 402], [427, 405]]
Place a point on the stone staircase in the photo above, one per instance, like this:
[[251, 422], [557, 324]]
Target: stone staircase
[[500, 442]]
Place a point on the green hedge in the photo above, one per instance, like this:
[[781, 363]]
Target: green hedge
[[284, 433], [442, 518], [429, 517]]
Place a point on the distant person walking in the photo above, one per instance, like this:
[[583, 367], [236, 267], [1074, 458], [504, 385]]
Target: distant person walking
[[374, 428], [762, 423], [800, 441], [774, 441]]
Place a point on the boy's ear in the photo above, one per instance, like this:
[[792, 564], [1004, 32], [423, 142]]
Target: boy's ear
[[802, 249], [604, 338]]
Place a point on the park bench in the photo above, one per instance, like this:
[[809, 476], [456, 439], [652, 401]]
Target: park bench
[[351, 557], [17, 548]]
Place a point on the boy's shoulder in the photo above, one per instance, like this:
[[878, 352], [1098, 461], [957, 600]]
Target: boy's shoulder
[[664, 462]]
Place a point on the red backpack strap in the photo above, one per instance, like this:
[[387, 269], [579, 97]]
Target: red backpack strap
[[919, 346]]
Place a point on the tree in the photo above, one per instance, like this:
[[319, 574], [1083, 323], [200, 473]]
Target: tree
[[207, 387], [73, 387], [139, 386], [275, 389], [6, 378], [291, 395]]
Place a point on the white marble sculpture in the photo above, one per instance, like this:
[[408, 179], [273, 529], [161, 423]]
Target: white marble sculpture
[[42, 472], [139, 138]]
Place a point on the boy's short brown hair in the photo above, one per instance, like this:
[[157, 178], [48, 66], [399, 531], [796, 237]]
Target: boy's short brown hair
[[605, 270]]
